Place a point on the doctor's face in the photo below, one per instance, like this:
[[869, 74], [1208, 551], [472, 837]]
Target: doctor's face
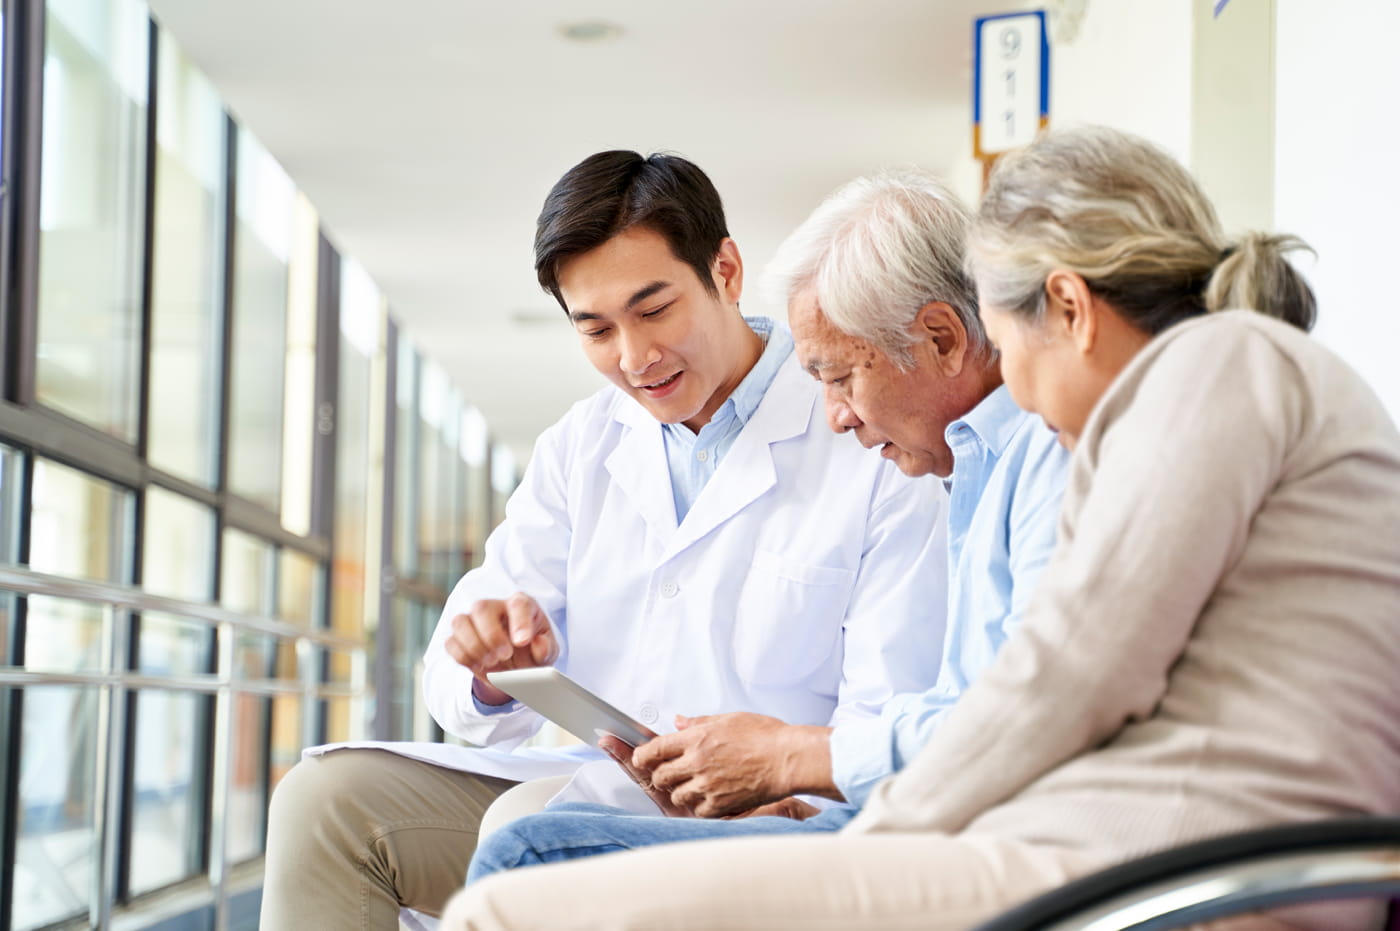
[[903, 414], [650, 327]]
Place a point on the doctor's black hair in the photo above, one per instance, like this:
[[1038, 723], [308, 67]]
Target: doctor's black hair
[[610, 192]]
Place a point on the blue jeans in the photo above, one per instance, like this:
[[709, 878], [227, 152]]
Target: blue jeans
[[573, 830]]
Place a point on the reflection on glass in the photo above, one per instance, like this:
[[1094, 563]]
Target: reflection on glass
[[262, 250], [178, 557], [299, 590], [361, 314], [91, 197], [57, 854], [245, 582], [168, 803], [187, 270], [79, 526]]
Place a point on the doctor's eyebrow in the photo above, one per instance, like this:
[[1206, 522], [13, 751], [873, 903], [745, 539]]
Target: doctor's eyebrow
[[638, 297]]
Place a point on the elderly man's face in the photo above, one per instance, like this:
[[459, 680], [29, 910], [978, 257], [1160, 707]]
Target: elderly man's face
[[903, 413]]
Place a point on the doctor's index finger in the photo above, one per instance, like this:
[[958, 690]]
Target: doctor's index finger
[[525, 620]]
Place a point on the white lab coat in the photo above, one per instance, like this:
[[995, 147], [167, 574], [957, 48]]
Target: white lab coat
[[808, 582]]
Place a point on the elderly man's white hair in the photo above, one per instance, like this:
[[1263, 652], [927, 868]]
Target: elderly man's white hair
[[875, 252]]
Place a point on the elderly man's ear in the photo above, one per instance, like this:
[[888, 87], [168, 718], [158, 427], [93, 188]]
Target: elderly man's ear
[[943, 338]]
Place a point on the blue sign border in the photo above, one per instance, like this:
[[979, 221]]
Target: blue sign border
[[977, 25]]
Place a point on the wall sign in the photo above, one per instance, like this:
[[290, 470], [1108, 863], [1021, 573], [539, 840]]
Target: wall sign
[[1011, 81]]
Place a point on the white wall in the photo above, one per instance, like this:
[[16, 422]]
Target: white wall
[[1336, 185], [1127, 65]]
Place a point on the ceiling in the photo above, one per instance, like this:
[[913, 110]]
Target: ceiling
[[428, 132]]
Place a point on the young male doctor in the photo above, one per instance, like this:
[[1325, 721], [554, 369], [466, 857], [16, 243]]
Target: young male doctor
[[688, 541]]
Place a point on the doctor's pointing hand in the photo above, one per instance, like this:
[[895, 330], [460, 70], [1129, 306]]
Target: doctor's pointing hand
[[495, 634]]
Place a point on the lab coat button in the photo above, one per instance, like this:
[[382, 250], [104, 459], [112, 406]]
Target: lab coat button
[[647, 713], [670, 589]]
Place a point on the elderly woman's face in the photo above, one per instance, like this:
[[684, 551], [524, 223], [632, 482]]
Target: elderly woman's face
[[1043, 369]]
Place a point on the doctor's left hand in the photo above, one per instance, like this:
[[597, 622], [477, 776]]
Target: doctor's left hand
[[725, 764]]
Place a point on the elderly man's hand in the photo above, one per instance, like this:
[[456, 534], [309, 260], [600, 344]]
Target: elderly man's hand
[[789, 807], [726, 764]]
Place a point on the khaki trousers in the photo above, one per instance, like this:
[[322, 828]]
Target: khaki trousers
[[819, 882], [355, 834]]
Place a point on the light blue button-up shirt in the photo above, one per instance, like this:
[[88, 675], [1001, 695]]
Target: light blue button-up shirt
[[1009, 473], [694, 457]]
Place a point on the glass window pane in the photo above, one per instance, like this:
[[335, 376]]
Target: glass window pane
[[246, 578], [262, 251], [248, 777], [65, 636], [299, 593], [57, 850], [361, 316], [178, 558], [187, 271], [79, 525], [167, 808], [11, 485], [287, 737], [406, 461], [92, 194], [476, 446], [504, 478], [173, 646], [299, 421], [432, 406], [339, 721]]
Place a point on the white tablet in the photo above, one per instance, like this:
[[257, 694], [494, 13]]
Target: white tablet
[[568, 704]]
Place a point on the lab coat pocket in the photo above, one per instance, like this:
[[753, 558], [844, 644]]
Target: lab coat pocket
[[788, 619]]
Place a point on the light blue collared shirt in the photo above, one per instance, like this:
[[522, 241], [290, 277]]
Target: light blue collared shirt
[[693, 457], [1009, 473]]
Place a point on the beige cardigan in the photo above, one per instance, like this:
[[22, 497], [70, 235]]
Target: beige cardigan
[[1216, 643]]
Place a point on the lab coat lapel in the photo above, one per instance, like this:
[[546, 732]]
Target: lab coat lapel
[[638, 467], [747, 472]]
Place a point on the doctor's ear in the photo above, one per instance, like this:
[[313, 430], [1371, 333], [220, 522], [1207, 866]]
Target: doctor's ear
[[727, 271], [1071, 310]]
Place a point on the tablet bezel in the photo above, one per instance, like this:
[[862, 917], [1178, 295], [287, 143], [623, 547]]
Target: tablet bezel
[[570, 705]]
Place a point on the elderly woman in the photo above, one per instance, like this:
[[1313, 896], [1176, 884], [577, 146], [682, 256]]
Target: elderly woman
[[1215, 644]]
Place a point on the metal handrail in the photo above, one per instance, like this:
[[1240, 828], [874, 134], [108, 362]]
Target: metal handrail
[[28, 582], [112, 679]]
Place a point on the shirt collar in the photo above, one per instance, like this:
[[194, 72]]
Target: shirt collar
[[777, 347], [994, 420]]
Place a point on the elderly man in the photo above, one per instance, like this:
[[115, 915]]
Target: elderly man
[[885, 318], [690, 538]]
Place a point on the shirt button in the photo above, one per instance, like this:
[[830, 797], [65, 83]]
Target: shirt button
[[702, 455], [670, 589], [647, 713]]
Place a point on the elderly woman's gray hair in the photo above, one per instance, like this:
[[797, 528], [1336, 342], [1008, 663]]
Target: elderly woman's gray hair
[[1132, 222], [877, 251]]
